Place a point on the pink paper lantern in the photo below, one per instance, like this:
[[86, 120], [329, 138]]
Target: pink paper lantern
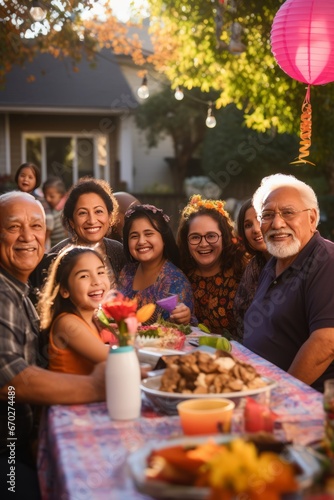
[[302, 40]]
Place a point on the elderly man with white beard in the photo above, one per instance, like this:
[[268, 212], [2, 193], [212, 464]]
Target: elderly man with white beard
[[291, 319]]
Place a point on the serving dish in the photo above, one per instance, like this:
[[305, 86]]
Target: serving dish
[[304, 457], [151, 355], [167, 401]]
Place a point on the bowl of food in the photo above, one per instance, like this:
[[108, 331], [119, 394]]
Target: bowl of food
[[204, 375]]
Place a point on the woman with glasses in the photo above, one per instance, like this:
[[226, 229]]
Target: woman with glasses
[[152, 272], [249, 230], [214, 260]]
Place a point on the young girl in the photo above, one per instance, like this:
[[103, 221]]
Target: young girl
[[76, 285], [28, 178], [152, 272]]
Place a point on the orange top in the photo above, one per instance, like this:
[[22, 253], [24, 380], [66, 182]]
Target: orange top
[[66, 360]]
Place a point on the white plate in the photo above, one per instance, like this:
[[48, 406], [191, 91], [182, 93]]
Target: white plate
[[151, 355], [303, 456], [167, 401]]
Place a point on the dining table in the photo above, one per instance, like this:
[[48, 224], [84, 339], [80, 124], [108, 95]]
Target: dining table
[[83, 454]]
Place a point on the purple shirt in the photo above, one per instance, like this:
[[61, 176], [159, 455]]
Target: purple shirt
[[286, 309]]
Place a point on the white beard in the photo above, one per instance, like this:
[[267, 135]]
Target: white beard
[[282, 250]]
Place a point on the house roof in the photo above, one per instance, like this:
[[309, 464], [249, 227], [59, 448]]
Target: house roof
[[57, 88]]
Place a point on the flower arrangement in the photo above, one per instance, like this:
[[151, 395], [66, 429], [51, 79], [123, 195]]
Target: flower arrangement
[[233, 470], [119, 314]]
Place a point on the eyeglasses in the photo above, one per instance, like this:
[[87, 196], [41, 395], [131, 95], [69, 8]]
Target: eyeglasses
[[285, 214], [196, 239]]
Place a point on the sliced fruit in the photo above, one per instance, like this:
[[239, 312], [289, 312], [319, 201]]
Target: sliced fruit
[[220, 343], [210, 341], [223, 344], [204, 328], [144, 313]]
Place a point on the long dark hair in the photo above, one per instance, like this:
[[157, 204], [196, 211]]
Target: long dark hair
[[87, 185], [241, 225], [160, 222], [51, 303], [233, 255]]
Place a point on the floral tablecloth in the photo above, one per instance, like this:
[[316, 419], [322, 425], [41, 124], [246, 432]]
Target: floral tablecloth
[[83, 454]]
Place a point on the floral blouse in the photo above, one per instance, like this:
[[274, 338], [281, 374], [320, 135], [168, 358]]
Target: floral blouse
[[214, 296], [171, 280]]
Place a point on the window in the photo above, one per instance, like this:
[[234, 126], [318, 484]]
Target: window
[[68, 157]]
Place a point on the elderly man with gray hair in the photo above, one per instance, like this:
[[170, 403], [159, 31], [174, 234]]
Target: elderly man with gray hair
[[23, 384], [291, 319]]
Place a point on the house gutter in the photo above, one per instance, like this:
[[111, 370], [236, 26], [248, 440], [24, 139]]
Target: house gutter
[[63, 111]]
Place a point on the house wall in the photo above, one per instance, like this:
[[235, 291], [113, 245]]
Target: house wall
[[20, 123], [2, 146], [149, 167]]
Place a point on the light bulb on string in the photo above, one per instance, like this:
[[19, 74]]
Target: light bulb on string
[[210, 121], [38, 11], [179, 95], [143, 91]]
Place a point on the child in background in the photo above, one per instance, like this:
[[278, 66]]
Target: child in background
[[54, 191], [77, 283], [28, 180]]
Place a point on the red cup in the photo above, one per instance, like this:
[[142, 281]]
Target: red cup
[[258, 417]]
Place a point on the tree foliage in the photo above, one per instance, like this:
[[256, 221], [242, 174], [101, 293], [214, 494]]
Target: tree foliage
[[187, 32], [192, 48], [67, 31]]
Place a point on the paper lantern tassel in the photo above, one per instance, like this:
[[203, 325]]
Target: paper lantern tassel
[[305, 130]]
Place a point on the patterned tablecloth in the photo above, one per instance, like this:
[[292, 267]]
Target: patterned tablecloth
[[82, 453]]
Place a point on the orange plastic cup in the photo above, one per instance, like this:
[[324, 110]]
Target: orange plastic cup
[[205, 416]]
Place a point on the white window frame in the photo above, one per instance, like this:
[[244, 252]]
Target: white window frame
[[74, 137]]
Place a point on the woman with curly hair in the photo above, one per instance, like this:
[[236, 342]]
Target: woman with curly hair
[[213, 259]]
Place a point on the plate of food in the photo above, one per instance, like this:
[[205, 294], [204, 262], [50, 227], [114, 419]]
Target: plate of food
[[165, 336], [202, 374], [186, 468]]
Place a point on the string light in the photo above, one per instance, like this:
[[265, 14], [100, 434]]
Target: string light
[[179, 95], [143, 91], [38, 11], [210, 121]]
